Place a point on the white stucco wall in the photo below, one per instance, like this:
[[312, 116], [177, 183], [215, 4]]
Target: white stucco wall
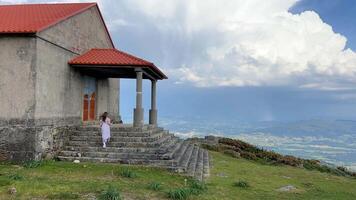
[[60, 87], [17, 77]]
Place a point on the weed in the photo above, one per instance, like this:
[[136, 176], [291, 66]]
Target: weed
[[127, 173], [179, 194], [241, 184], [15, 177], [155, 186], [197, 187], [111, 193], [32, 163]]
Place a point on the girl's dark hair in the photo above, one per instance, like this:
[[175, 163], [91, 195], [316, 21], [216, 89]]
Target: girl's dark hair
[[103, 116]]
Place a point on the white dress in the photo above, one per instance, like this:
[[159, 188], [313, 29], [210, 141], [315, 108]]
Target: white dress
[[105, 129]]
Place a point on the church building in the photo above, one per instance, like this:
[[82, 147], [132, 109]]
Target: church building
[[59, 71], [59, 67]]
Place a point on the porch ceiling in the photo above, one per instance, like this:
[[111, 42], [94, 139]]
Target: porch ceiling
[[114, 71]]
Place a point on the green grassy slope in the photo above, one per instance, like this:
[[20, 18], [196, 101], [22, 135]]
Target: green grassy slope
[[56, 180]]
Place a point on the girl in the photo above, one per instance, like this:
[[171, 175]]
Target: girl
[[105, 124]]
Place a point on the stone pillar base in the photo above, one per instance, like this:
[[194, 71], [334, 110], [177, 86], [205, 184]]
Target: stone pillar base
[[153, 117], [138, 117]]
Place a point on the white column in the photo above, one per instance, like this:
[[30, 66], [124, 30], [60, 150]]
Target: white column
[[153, 110], [138, 111]]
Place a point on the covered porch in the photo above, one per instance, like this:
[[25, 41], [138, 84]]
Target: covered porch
[[112, 63]]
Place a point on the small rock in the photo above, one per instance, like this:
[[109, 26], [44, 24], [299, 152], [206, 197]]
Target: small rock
[[12, 191], [90, 196], [76, 161], [79, 155], [72, 148], [221, 174], [287, 188]]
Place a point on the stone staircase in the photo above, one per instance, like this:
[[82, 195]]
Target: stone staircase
[[148, 145]]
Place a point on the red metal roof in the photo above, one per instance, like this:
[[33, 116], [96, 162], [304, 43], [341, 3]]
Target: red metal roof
[[113, 57], [32, 18]]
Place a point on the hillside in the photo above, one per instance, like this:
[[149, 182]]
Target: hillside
[[229, 176]]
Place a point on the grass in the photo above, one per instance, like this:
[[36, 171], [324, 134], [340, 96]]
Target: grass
[[63, 196], [64, 180]]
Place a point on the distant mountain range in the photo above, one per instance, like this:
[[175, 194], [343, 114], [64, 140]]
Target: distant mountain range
[[331, 141]]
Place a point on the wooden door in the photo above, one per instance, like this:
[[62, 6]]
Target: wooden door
[[85, 108], [89, 99], [92, 107]]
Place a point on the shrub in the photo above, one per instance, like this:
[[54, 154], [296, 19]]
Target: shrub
[[111, 193], [32, 163], [232, 153], [15, 177], [155, 186], [179, 194], [241, 184], [248, 155], [211, 147], [127, 173]]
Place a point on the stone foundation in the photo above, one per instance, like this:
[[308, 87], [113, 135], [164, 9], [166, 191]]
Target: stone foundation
[[22, 140]]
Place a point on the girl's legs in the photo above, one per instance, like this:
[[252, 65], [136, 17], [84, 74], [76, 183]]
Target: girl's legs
[[104, 143]]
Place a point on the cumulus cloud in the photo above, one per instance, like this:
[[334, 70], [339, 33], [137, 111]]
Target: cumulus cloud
[[247, 43], [235, 43]]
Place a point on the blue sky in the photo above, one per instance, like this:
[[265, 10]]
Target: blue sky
[[249, 103], [250, 60]]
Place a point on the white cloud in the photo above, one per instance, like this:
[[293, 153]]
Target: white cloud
[[235, 43], [252, 43]]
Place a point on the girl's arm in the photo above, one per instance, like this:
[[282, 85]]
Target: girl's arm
[[108, 121]]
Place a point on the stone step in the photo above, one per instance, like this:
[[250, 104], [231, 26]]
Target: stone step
[[184, 161], [112, 155], [112, 149], [206, 168], [156, 143], [178, 155], [169, 164], [121, 128], [115, 138], [119, 134], [192, 162], [171, 149], [199, 168]]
